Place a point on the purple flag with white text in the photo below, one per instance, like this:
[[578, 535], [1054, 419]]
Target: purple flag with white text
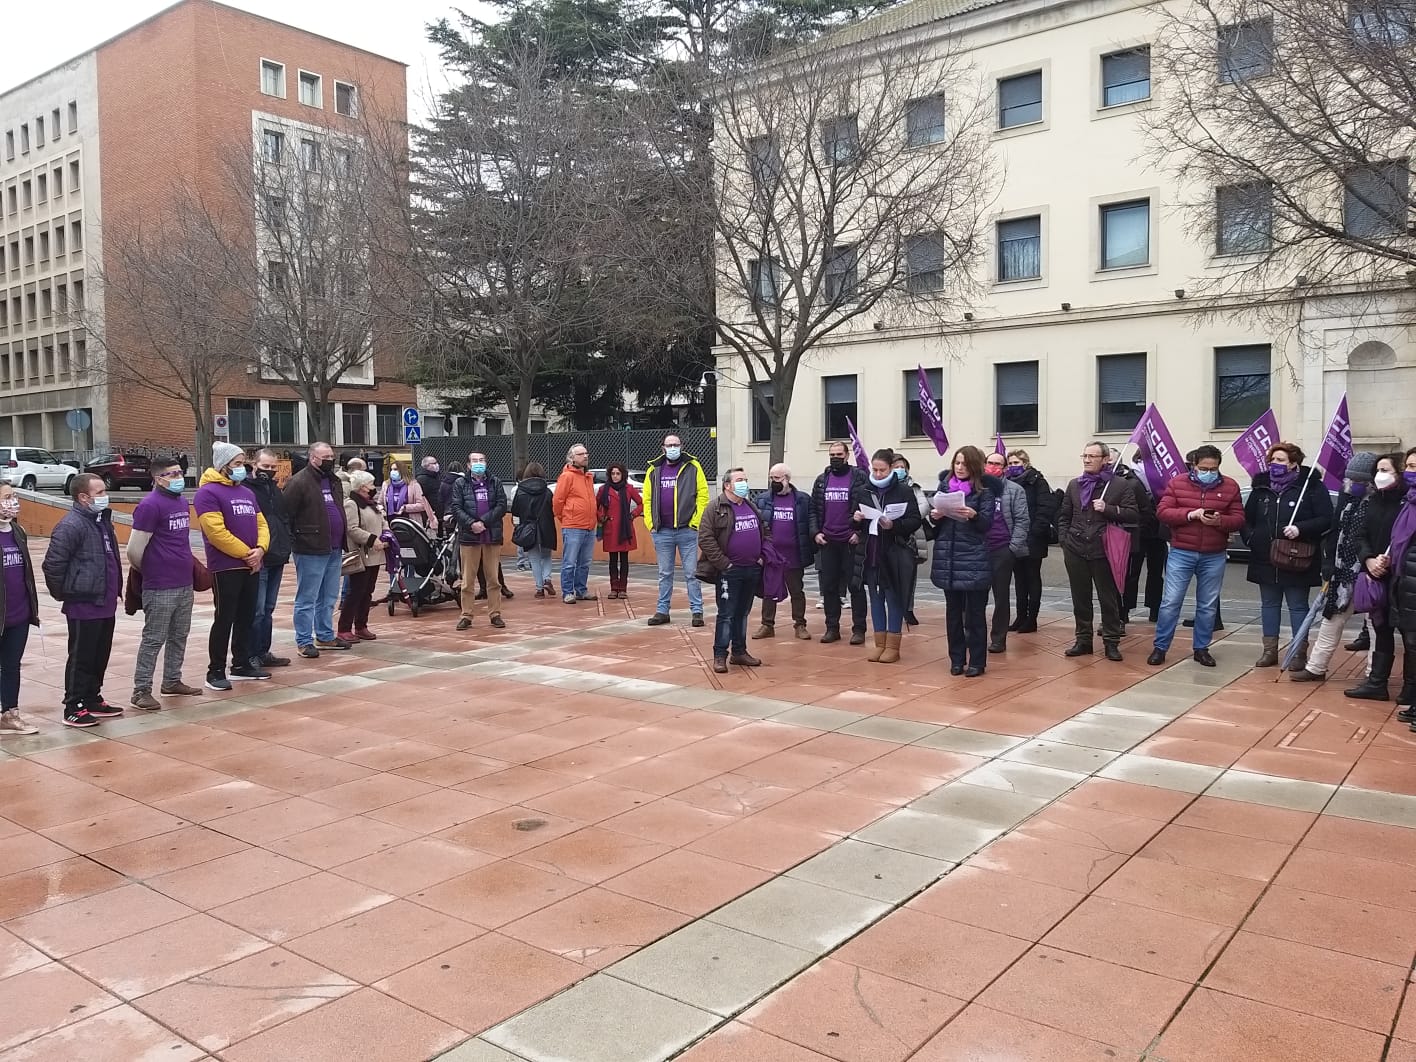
[[861, 459], [1337, 447], [1252, 447], [929, 415], [1160, 459]]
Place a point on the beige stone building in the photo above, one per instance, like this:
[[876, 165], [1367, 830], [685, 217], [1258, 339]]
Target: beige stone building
[[1088, 310]]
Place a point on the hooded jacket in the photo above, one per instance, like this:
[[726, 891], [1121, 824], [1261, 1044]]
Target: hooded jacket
[[690, 494], [1268, 512], [464, 509], [894, 566], [216, 493], [76, 564], [1042, 512], [1014, 510], [272, 503], [533, 503], [961, 559], [574, 499], [1183, 495]]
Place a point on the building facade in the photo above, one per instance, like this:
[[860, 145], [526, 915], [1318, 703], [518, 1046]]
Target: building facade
[[1087, 311], [108, 138]]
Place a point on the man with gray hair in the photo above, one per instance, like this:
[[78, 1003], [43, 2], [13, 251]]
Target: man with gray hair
[[573, 505], [787, 524], [1095, 500]]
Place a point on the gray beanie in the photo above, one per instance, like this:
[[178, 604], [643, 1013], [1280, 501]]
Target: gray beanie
[[1362, 467], [223, 453]]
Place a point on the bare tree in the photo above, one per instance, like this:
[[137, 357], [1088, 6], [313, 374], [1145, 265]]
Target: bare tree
[[844, 182], [1289, 125]]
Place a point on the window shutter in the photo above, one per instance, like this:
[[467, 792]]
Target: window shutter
[[1122, 379], [1255, 360], [840, 389], [1017, 384]]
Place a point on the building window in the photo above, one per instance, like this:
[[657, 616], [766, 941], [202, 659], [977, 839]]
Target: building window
[[24, 138], [74, 176], [538, 427], [58, 176], [1120, 391], [282, 422], [9, 144], [924, 262], [388, 422], [1376, 199], [311, 95], [1020, 249], [1020, 100], [272, 145], [1126, 76], [1243, 220], [354, 418], [241, 414], [765, 278], [840, 397], [59, 240], [310, 155], [346, 99], [1015, 385], [493, 425], [840, 140], [1245, 50], [73, 116], [1385, 22], [344, 162], [841, 278], [55, 125], [764, 161], [1125, 234], [761, 412], [914, 426], [1242, 376], [273, 78], [39, 132], [924, 121], [275, 276]]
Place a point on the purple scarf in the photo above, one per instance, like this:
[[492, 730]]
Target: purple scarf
[[1279, 484], [962, 486], [1087, 483], [1403, 530], [397, 497]]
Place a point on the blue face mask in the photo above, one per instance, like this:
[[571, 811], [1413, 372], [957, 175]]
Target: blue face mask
[[395, 476], [100, 503], [479, 468], [673, 453], [1206, 479], [237, 474], [176, 486], [902, 474], [741, 489]]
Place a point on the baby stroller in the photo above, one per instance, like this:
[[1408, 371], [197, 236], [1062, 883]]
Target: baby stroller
[[429, 567]]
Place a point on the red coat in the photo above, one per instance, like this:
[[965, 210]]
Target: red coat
[[1183, 495], [608, 509]]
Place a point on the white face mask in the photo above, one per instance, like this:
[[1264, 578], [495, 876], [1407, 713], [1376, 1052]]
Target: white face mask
[[1383, 480]]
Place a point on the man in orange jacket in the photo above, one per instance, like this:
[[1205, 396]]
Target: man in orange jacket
[[574, 508]]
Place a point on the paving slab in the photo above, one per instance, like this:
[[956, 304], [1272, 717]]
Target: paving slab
[[870, 870], [799, 914], [973, 742], [935, 836], [1292, 793], [1166, 774]]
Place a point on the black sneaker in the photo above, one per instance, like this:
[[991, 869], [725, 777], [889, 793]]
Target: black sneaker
[[309, 652], [658, 619], [698, 619], [246, 672], [215, 680], [270, 660], [104, 710], [498, 622], [336, 643], [80, 718]]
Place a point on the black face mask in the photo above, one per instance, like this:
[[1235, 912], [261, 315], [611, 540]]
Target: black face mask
[[838, 464], [265, 474], [782, 488]]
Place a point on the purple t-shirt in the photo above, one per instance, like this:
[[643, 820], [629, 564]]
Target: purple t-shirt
[[784, 529], [167, 560], [668, 480], [334, 509], [108, 607], [238, 508], [17, 606], [745, 541], [482, 503], [999, 533], [836, 519]]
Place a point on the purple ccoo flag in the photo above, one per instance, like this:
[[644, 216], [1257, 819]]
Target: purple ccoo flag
[[861, 459], [929, 415], [1253, 446], [1156, 452], [998, 447], [1337, 447]]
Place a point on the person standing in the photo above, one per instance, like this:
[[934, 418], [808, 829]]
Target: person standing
[[675, 497], [403, 496], [19, 604], [478, 508], [618, 504], [1400, 571], [1286, 517], [730, 557], [1007, 541], [160, 548], [236, 541], [961, 566], [532, 505], [1093, 501], [889, 556], [1383, 505], [1152, 547], [1202, 509], [1042, 521], [363, 539], [786, 521], [836, 498], [430, 484], [574, 506], [272, 573], [317, 545], [1341, 564], [901, 467], [82, 570]]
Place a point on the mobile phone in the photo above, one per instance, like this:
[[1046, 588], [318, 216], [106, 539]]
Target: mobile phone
[[1211, 512]]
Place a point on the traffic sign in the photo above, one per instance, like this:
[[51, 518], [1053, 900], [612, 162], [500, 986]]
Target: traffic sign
[[410, 417], [221, 426], [78, 420], [412, 434]]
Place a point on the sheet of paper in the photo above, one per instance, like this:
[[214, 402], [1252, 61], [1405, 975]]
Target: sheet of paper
[[890, 512], [948, 502]]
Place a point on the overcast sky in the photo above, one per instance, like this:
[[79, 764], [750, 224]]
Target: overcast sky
[[38, 41]]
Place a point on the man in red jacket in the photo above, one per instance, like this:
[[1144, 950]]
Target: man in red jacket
[[1202, 510]]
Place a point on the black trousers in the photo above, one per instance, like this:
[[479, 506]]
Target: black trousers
[[1027, 585], [835, 564], [966, 627], [355, 613], [1084, 575], [90, 643], [1002, 561], [482, 579], [1153, 554], [12, 650], [796, 592], [619, 570], [234, 594]]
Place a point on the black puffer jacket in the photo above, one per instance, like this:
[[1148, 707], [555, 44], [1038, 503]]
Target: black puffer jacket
[[1267, 513], [272, 504], [533, 502], [76, 564], [464, 509], [961, 557], [894, 549], [1042, 512]]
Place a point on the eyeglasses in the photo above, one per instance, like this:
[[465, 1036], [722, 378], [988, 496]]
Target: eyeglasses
[[175, 473]]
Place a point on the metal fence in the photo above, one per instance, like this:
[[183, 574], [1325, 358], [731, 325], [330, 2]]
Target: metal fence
[[633, 449]]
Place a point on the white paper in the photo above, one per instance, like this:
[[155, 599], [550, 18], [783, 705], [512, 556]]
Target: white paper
[[891, 512], [950, 503]]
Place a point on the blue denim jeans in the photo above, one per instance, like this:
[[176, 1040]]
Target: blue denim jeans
[[267, 594], [578, 546], [887, 611], [685, 541], [1208, 571], [540, 558], [317, 579], [736, 591], [1272, 598]]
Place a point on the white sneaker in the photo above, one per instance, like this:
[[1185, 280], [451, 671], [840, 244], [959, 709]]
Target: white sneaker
[[12, 723]]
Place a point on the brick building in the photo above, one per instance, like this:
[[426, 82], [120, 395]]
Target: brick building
[[104, 140]]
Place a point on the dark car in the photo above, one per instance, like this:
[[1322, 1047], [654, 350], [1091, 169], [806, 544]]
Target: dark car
[[122, 470]]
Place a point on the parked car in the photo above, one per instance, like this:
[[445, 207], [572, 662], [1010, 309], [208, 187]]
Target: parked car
[[70, 458], [122, 470], [30, 467]]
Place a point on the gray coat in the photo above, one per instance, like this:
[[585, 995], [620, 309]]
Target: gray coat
[[1017, 517]]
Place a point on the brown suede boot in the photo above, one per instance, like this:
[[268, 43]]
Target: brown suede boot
[[891, 655], [1270, 654], [875, 654]]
